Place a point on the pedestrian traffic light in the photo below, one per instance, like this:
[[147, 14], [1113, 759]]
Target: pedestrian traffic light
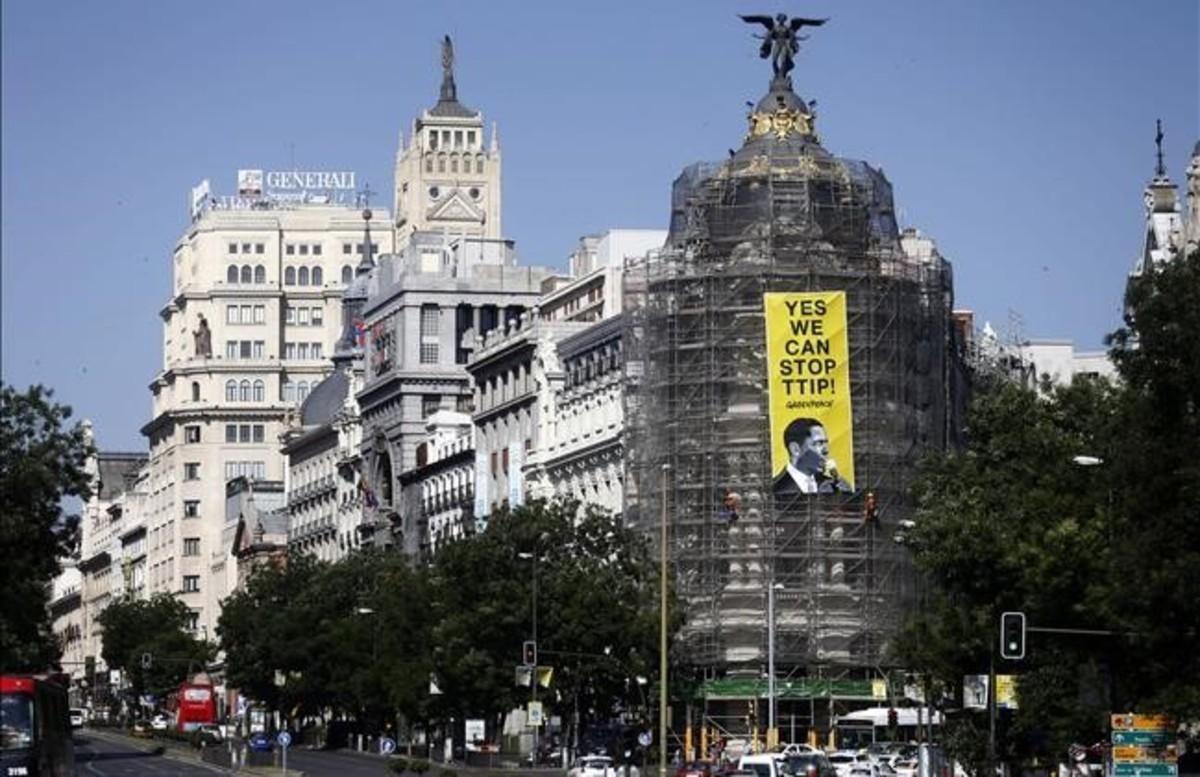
[[1012, 635], [529, 653]]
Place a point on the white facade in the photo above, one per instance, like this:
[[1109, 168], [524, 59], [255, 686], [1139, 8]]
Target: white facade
[[438, 494], [1058, 362], [265, 272]]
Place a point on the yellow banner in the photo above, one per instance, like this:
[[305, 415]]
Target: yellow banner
[[1006, 691], [808, 373]]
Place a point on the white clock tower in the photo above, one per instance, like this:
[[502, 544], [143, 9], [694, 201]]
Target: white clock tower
[[447, 179]]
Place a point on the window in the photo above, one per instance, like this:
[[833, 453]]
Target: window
[[430, 403], [260, 391], [231, 314], [247, 274], [259, 435], [318, 316], [289, 392], [191, 508], [302, 277], [316, 350], [302, 317], [289, 276], [260, 274], [304, 249], [429, 320], [191, 584], [318, 276], [191, 546], [289, 249], [193, 621], [289, 315], [429, 353], [346, 249], [231, 433], [191, 470], [245, 349], [244, 433], [302, 390], [259, 248], [260, 348], [302, 351], [191, 434], [233, 248], [479, 164], [231, 275], [347, 272], [231, 349], [289, 350], [247, 314], [317, 249], [493, 464], [231, 391], [260, 314], [195, 391], [244, 391], [245, 248]]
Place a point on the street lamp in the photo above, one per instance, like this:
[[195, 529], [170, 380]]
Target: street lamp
[[533, 677], [772, 736]]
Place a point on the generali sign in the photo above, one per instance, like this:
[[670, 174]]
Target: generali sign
[[252, 182]]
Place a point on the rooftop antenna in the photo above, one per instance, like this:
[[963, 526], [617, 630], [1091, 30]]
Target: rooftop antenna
[[1160, 170]]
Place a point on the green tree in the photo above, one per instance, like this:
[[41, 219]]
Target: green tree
[[41, 462], [159, 627]]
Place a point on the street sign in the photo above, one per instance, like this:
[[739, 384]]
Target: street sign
[[387, 746], [1131, 722], [535, 713], [1145, 770], [1142, 738], [284, 739]]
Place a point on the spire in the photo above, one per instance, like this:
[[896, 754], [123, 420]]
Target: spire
[[449, 91], [354, 297], [495, 145]]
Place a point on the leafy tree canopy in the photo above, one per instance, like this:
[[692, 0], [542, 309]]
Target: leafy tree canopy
[[41, 462], [158, 627]]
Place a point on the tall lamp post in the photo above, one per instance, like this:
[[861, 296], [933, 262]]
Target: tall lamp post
[[533, 678], [662, 630], [772, 587]]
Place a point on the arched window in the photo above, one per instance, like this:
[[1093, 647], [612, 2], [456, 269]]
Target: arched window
[[318, 277], [231, 391], [289, 276], [441, 163], [429, 163], [289, 392], [195, 391], [244, 391], [260, 274], [260, 391], [454, 163], [347, 274], [479, 163], [231, 275], [302, 390], [302, 276], [247, 274]]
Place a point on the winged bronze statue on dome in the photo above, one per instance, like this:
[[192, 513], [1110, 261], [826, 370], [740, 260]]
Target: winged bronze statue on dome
[[782, 40]]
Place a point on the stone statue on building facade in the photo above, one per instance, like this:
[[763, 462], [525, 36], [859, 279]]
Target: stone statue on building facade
[[202, 339]]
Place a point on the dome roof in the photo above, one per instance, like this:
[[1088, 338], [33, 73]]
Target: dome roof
[[325, 400]]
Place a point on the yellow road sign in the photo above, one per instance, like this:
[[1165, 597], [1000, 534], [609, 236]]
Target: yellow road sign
[[1129, 721]]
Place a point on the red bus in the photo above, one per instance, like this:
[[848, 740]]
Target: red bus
[[194, 704], [35, 733]]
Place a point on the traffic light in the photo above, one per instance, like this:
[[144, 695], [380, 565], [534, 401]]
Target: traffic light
[[147, 660], [529, 653], [1012, 635]]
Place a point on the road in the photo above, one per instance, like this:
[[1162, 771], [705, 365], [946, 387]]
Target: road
[[111, 757], [110, 754]]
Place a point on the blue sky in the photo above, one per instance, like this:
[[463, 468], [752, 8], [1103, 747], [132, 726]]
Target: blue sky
[[1018, 134]]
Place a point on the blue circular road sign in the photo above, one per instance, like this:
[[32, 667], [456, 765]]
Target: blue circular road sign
[[387, 746], [284, 739]]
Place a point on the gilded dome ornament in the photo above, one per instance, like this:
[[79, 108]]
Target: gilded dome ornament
[[781, 123]]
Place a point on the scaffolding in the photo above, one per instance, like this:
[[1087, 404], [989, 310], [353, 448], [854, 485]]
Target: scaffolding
[[781, 215]]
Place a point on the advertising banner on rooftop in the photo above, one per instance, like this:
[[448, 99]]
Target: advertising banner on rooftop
[[808, 375]]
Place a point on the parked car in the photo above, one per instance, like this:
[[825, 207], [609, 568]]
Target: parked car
[[765, 764], [905, 767], [813, 764], [77, 716], [160, 722], [799, 747], [695, 769], [599, 766], [842, 760], [260, 742]]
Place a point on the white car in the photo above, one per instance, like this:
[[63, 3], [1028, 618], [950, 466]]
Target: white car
[[160, 722], [599, 766], [78, 715], [796, 749], [843, 760]]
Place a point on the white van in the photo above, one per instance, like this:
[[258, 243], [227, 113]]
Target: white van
[[77, 716], [764, 765]]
